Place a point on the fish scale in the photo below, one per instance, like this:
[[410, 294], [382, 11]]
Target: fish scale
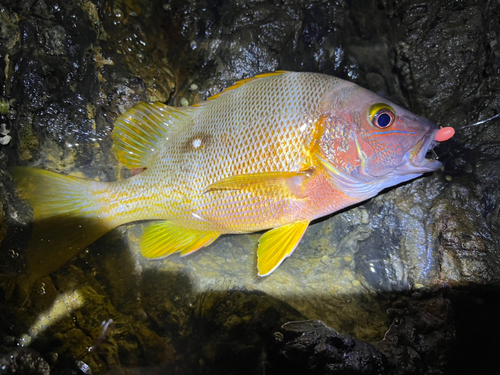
[[271, 152]]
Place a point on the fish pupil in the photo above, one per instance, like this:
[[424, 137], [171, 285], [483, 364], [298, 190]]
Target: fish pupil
[[383, 120]]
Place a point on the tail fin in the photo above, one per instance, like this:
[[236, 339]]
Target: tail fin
[[64, 215]]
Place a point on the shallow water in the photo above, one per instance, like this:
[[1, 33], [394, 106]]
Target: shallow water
[[74, 67]]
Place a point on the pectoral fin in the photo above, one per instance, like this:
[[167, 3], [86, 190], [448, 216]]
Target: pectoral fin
[[278, 244], [287, 183], [163, 238]]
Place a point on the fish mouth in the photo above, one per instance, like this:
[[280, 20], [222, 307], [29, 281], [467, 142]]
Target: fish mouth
[[415, 160]]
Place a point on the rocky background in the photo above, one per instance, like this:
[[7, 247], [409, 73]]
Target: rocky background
[[406, 283]]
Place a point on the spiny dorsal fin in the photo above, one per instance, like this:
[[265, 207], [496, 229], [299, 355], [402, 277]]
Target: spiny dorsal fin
[[139, 131], [241, 83]]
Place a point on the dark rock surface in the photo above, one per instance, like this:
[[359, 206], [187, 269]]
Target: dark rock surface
[[23, 361], [311, 347], [404, 271]]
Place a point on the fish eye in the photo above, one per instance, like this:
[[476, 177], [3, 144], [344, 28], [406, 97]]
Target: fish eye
[[382, 115]]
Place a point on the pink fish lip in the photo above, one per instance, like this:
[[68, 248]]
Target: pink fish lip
[[415, 160]]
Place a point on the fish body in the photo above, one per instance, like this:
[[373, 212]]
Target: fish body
[[272, 152]]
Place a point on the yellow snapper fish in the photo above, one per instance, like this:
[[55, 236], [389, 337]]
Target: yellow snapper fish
[[271, 152]]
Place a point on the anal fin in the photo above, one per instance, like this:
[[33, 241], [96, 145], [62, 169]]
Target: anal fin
[[164, 238], [278, 244]]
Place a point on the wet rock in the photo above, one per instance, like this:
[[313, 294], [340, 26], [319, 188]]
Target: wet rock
[[73, 67], [420, 335], [417, 342], [3, 229], [23, 361], [236, 326], [311, 347]]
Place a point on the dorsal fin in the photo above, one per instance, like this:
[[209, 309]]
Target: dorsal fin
[[241, 83], [139, 130]]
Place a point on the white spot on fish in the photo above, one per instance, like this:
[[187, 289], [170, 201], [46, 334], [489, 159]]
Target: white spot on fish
[[197, 143], [197, 216]]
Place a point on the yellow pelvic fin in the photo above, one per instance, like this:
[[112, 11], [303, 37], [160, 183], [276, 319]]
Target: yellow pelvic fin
[[141, 129], [275, 183], [65, 218], [164, 238], [243, 82], [278, 244]]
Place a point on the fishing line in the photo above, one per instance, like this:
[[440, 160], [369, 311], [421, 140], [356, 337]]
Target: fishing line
[[479, 122], [447, 133], [463, 127]]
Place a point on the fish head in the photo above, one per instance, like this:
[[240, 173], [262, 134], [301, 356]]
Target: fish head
[[369, 143]]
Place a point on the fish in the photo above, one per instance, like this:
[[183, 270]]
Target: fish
[[270, 153]]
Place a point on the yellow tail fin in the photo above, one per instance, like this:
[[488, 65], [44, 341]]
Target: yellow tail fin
[[64, 216]]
